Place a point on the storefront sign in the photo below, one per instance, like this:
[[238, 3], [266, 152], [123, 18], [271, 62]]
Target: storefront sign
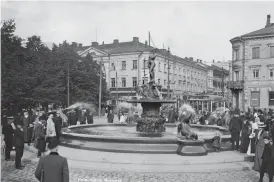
[[255, 99]]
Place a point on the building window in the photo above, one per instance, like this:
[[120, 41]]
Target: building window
[[112, 66], [134, 81], [272, 51], [159, 67], [271, 98], [146, 64], [255, 99], [271, 73], [164, 82], [124, 82], [255, 74], [124, 65], [134, 63], [112, 82], [237, 75], [145, 80], [237, 55], [165, 68], [159, 82], [255, 52]]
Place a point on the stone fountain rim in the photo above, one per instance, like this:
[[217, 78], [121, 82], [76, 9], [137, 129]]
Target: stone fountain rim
[[117, 139], [152, 101]]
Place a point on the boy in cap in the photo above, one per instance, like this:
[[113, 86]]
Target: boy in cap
[[267, 160], [52, 167]]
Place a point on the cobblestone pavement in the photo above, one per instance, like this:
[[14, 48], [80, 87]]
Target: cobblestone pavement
[[10, 174]]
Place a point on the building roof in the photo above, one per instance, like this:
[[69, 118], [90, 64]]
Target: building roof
[[266, 31], [135, 46]]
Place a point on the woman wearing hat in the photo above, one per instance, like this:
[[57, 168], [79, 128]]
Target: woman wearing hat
[[260, 146], [52, 167]]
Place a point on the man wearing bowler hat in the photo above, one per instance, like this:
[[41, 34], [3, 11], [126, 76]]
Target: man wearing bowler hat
[[52, 167]]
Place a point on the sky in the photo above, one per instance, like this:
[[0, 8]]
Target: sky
[[191, 29]]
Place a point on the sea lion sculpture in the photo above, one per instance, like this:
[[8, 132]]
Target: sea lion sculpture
[[184, 129]]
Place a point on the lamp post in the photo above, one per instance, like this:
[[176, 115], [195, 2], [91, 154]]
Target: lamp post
[[68, 84], [100, 89]]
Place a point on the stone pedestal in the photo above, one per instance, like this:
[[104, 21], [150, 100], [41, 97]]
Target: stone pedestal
[[191, 147]]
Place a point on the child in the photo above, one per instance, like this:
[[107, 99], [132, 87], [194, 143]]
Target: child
[[216, 141]]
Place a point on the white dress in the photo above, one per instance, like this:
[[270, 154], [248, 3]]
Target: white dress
[[122, 119]]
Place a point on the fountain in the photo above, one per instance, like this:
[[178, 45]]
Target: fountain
[[150, 134], [151, 121]]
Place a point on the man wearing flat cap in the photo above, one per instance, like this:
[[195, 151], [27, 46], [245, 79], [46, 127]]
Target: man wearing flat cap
[[52, 167], [267, 160]]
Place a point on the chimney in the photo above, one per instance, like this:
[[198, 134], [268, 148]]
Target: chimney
[[94, 44], [74, 44], [103, 43], [201, 61], [135, 39], [80, 45], [197, 60], [191, 58], [115, 41], [268, 23], [213, 61], [146, 44]]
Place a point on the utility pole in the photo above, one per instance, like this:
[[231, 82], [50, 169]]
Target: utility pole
[[243, 81], [223, 82], [68, 83], [100, 88], [168, 85], [149, 38], [116, 89], [144, 71]]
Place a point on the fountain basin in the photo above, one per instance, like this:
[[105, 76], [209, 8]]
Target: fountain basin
[[191, 147], [130, 141]]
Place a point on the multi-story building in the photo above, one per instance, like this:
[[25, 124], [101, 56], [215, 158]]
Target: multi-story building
[[220, 79], [252, 69], [126, 67]]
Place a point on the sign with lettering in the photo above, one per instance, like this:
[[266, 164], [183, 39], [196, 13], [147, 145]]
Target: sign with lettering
[[255, 99]]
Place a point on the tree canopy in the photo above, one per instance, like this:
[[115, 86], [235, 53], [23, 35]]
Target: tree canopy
[[32, 73]]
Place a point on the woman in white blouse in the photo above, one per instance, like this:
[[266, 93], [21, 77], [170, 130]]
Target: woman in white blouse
[[51, 132]]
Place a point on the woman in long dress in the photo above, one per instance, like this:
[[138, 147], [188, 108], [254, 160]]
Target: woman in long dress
[[260, 148], [247, 129], [51, 131]]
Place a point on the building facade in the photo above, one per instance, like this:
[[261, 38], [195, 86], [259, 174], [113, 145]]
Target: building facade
[[125, 65], [252, 69]]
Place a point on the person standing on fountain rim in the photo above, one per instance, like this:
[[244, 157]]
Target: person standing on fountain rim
[[58, 125], [52, 167]]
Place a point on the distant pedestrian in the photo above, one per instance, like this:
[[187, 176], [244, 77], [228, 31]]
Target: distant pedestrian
[[122, 118], [28, 127], [110, 116], [72, 118], [267, 160], [39, 138], [51, 131], [58, 125], [235, 127], [19, 145], [89, 117], [8, 131], [52, 167]]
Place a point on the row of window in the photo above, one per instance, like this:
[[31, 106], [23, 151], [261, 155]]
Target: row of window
[[255, 74], [145, 80], [255, 99], [185, 72], [255, 53]]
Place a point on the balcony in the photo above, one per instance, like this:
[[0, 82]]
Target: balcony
[[235, 85]]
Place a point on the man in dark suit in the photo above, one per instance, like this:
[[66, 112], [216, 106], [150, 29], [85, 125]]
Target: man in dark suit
[[267, 160], [7, 131], [58, 125], [19, 145], [52, 167], [235, 127]]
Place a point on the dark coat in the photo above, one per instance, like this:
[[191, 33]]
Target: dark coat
[[19, 138], [110, 117], [72, 117], [171, 116], [18, 119], [27, 129], [54, 168], [235, 124], [39, 137], [90, 118], [269, 157], [58, 125], [262, 118], [7, 131]]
